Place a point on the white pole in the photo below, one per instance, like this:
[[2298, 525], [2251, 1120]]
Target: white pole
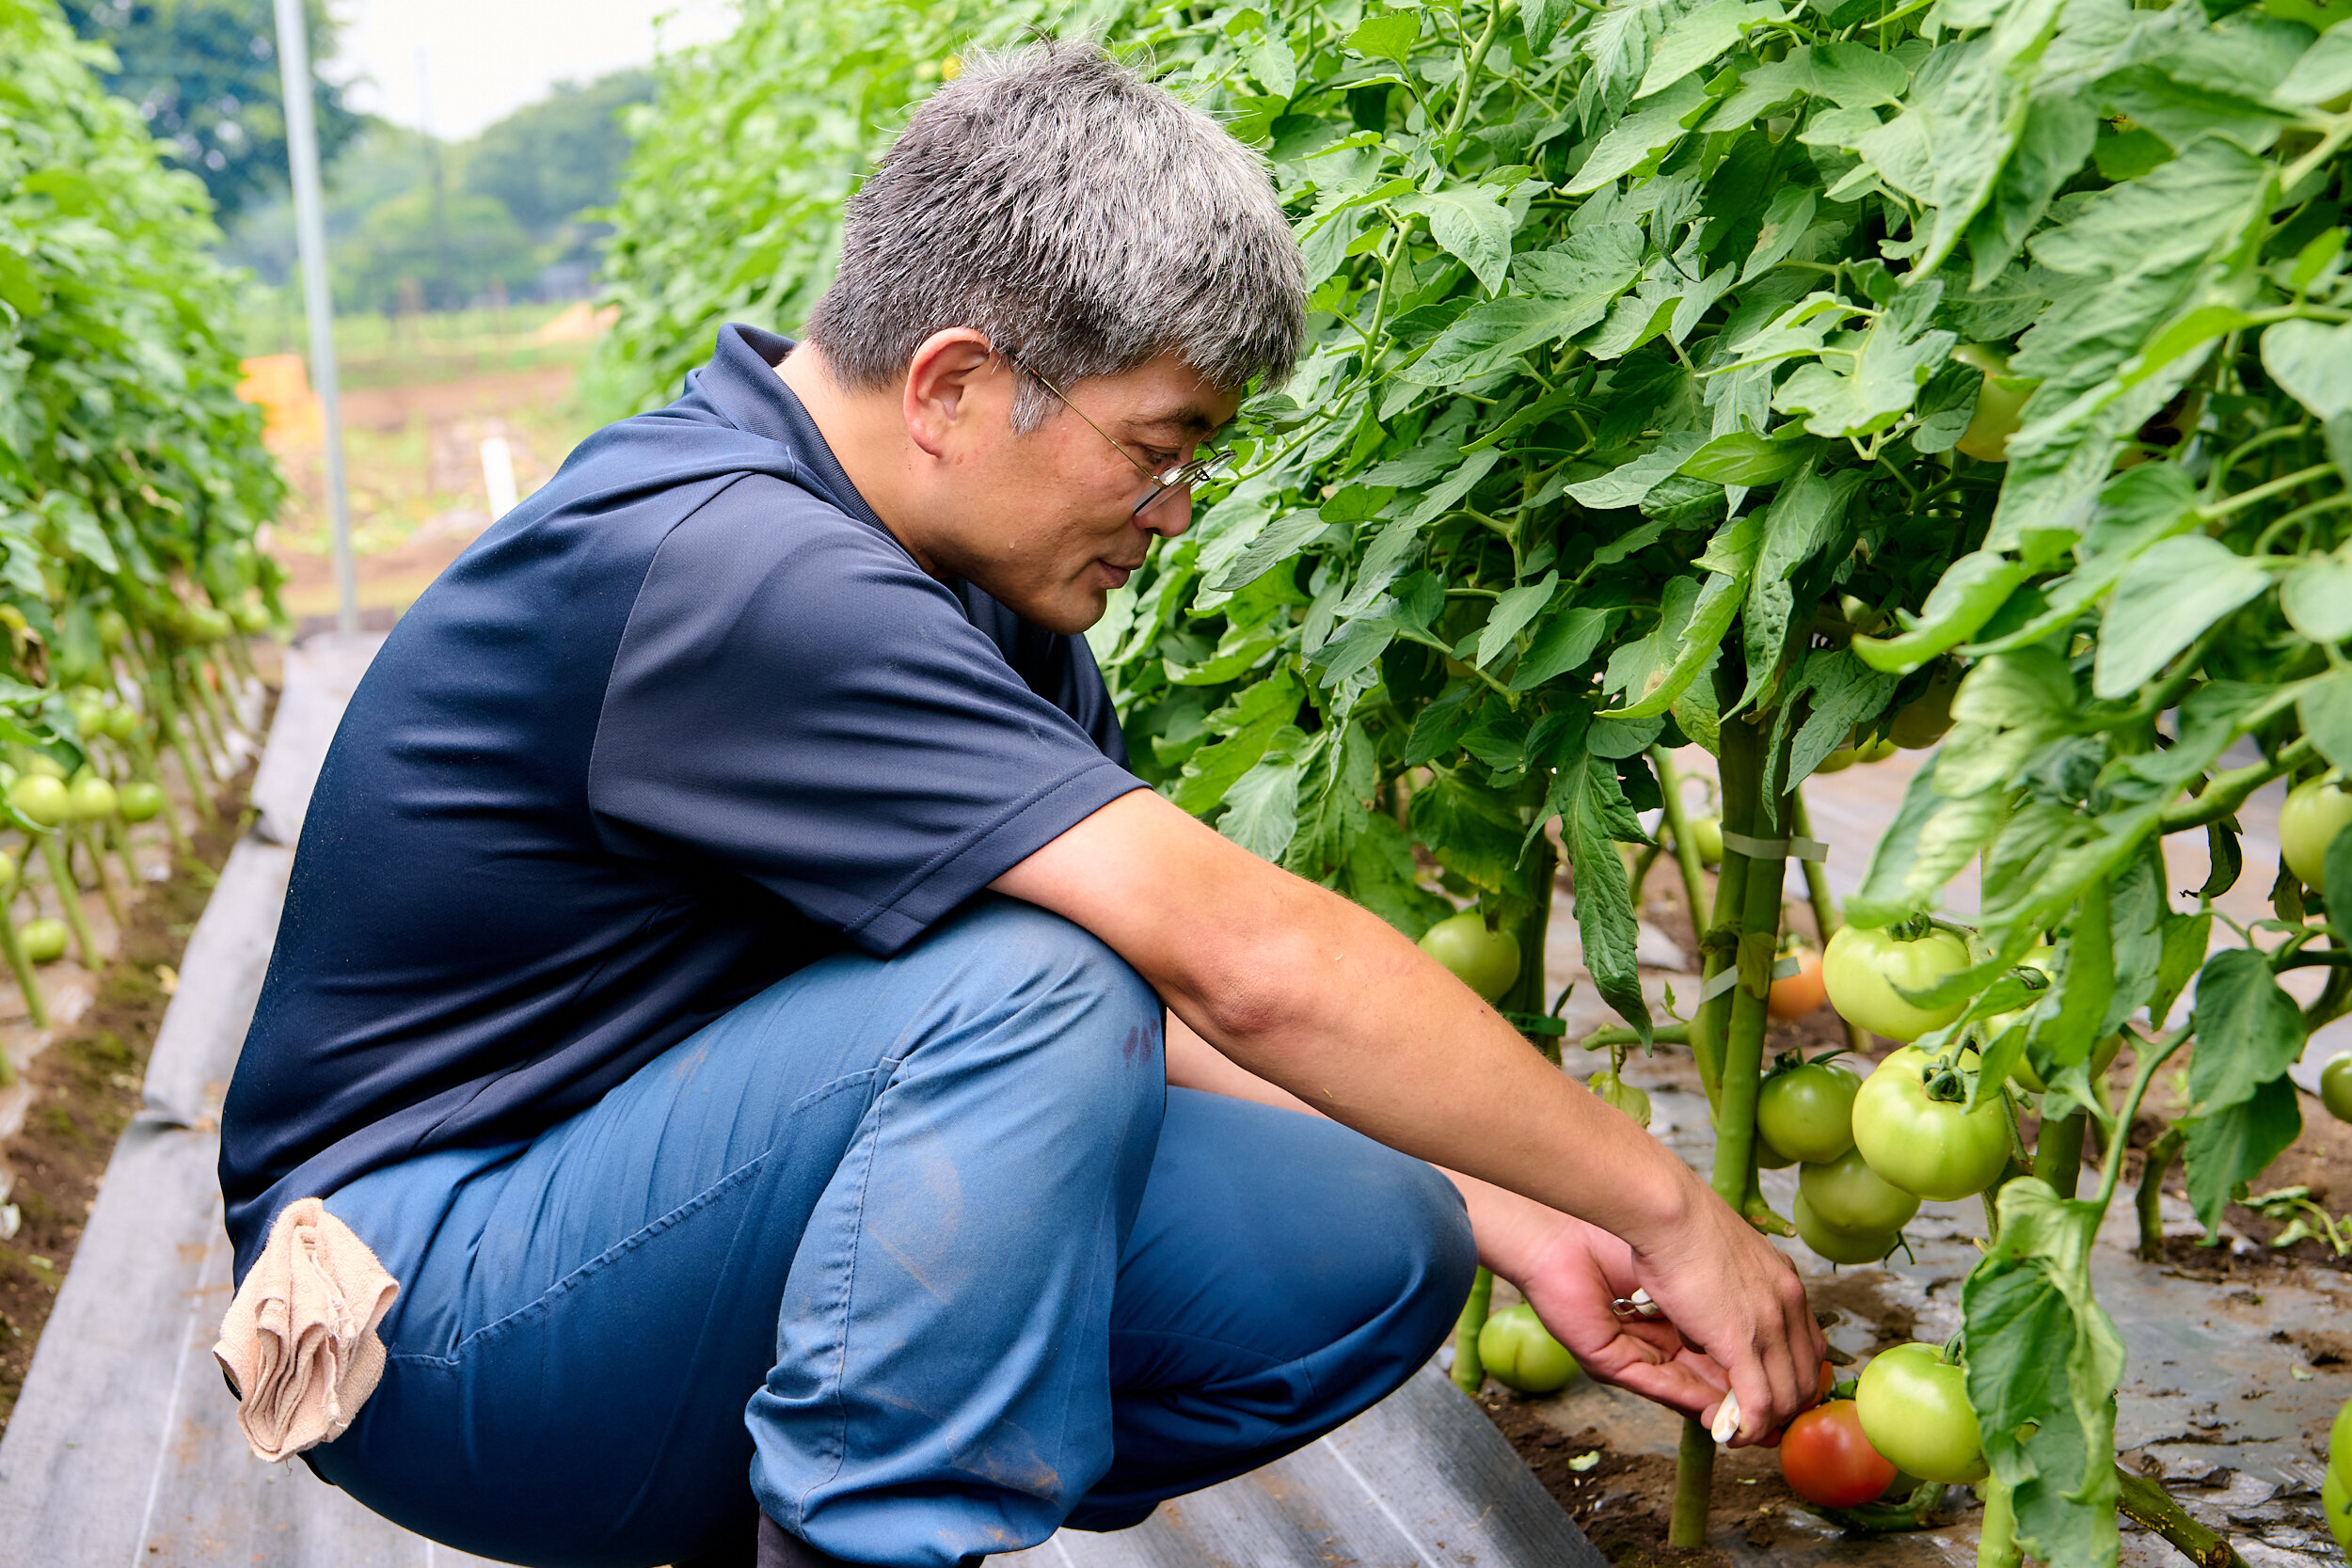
[[497, 476], [302, 150]]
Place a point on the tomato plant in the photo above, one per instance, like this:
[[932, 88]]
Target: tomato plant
[[1730, 375], [1804, 1111], [1913, 1407], [1868, 974], [1835, 1246], [1521, 1355], [1827, 1460]]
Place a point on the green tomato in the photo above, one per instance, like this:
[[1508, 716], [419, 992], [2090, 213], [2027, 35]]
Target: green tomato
[[1834, 1245], [8, 869], [1847, 1194], [1927, 718], [43, 940], [42, 763], [2336, 1502], [2316, 811], [1707, 835], [1487, 962], [1806, 1112], [2340, 1441], [1874, 750], [1866, 972], [2318, 15], [2000, 404], [91, 798], [42, 800], [1836, 762], [1936, 1148], [1624, 1095], [122, 723], [89, 717], [140, 801], [1915, 1410], [1520, 1353], [112, 629]]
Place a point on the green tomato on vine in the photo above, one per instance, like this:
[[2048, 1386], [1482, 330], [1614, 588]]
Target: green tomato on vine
[[1520, 1353], [1485, 960], [1867, 971], [2316, 811], [1805, 1111], [1914, 1409], [2000, 403], [1923, 1143]]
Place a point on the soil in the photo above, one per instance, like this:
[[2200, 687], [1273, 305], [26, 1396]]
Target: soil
[[1623, 1502], [85, 1087]]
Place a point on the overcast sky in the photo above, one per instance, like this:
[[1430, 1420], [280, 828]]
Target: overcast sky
[[484, 58]]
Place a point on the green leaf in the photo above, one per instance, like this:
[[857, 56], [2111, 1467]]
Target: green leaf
[[1804, 517], [1785, 223], [2317, 599], [2249, 1030], [1471, 224], [1248, 725], [1697, 37], [2043, 1362], [1635, 138], [1262, 810], [1473, 832], [2165, 602], [1626, 483], [1880, 387], [1542, 18], [1839, 692], [2325, 72], [1513, 610], [1739, 457], [1275, 67], [1564, 643], [1593, 815], [1679, 648], [2314, 363], [2237, 1145], [1389, 37], [1490, 336], [2325, 709], [1971, 590], [2186, 939]]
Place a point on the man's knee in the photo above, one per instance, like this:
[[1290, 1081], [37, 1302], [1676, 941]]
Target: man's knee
[[1051, 985], [1436, 1255]]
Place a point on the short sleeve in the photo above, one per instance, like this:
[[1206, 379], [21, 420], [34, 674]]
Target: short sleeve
[[795, 702]]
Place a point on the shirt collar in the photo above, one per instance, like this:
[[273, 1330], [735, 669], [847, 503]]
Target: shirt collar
[[742, 385]]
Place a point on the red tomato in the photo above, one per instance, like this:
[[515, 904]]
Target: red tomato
[[1800, 993], [1828, 1461]]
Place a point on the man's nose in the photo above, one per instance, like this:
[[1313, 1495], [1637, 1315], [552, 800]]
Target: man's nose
[[1171, 514]]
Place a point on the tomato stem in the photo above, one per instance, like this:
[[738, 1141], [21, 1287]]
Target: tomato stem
[[2148, 1201], [1470, 1373], [2058, 1153], [1694, 1486], [1686, 848], [1996, 1545]]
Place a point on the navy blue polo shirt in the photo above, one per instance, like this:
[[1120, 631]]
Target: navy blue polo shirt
[[684, 721]]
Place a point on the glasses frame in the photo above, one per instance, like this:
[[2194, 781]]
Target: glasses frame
[[1205, 461]]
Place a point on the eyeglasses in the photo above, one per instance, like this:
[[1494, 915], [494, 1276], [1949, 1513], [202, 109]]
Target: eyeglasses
[[1205, 463]]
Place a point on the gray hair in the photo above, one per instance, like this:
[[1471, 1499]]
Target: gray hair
[[1079, 215]]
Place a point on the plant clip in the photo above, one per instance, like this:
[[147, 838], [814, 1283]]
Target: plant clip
[[1536, 1023]]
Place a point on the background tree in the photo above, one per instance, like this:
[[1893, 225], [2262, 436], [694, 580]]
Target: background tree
[[204, 76], [551, 161]]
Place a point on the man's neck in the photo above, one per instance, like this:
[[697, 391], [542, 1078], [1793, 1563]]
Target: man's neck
[[868, 435]]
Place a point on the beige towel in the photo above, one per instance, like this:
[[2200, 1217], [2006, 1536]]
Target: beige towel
[[299, 1342]]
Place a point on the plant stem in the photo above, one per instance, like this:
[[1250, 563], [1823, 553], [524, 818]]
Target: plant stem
[[2148, 1201], [1664, 1034], [1470, 1373], [1532, 930], [2144, 1502], [1742, 774], [2153, 1054], [1694, 1486], [105, 884], [1996, 1545], [2229, 790], [1825, 920], [22, 967], [1686, 851], [2059, 1152], [143, 757], [69, 894]]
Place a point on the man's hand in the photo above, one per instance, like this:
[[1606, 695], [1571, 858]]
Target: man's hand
[[1571, 1284]]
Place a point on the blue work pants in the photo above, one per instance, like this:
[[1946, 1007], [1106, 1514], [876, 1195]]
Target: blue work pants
[[924, 1247]]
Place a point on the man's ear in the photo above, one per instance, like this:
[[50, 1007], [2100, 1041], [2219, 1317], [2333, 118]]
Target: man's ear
[[954, 377]]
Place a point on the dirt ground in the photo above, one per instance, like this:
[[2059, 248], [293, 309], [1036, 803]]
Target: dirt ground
[[86, 1089], [413, 466]]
